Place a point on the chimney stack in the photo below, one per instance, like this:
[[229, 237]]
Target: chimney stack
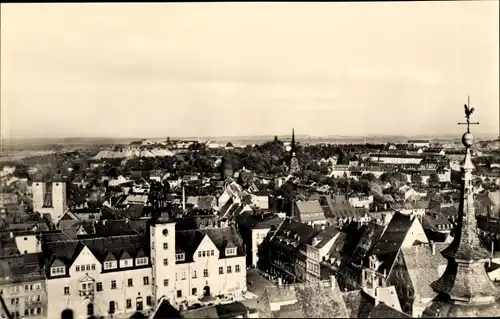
[[332, 282], [183, 199]]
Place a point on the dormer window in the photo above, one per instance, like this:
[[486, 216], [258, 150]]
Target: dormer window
[[180, 257], [230, 251], [109, 265], [57, 271], [141, 261]]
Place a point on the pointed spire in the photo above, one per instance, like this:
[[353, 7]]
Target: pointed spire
[[465, 279]]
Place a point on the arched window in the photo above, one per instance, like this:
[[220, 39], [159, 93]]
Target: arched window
[[112, 307], [67, 314]]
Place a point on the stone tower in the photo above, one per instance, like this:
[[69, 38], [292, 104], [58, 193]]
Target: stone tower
[[465, 289], [162, 239]]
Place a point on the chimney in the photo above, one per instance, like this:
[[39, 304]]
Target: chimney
[[333, 282], [433, 247], [183, 199], [492, 253]]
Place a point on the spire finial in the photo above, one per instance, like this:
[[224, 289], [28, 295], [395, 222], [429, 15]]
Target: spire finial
[[467, 138]]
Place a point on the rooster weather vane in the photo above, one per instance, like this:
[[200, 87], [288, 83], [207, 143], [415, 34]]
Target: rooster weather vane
[[468, 112]]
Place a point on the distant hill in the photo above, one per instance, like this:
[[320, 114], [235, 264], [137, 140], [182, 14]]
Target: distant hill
[[490, 145]]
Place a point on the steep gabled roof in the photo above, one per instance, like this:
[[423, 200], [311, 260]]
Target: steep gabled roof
[[382, 310], [389, 244]]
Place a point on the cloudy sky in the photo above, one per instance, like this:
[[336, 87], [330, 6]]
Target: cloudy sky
[[219, 69]]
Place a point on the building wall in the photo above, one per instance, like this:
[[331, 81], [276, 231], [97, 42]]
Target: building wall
[[78, 298], [28, 244], [416, 232], [396, 160], [26, 295], [38, 195], [258, 236], [164, 276], [58, 198], [399, 277]]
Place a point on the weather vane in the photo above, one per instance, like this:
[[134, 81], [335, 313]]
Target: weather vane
[[468, 113]]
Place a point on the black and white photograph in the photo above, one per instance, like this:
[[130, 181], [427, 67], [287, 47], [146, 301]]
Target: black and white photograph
[[250, 160]]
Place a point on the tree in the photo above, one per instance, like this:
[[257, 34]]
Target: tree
[[417, 179], [370, 177], [433, 179]]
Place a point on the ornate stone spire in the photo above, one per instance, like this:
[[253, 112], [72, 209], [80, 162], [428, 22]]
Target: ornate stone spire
[[465, 281]]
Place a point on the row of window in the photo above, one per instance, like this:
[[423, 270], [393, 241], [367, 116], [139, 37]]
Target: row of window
[[99, 287], [27, 300], [182, 275], [206, 253], [17, 289], [57, 270], [194, 291], [125, 263], [85, 267], [32, 311], [128, 304]]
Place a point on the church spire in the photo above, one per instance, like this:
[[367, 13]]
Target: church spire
[[465, 281], [294, 163]]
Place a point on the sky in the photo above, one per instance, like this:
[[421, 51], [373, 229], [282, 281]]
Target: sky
[[233, 69]]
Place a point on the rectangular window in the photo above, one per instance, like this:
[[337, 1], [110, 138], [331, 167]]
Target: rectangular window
[[32, 311], [165, 262], [183, 275], [99, 286], [193, 291], [204, 253], [149, 301], [113, 284], [146, 280], [221, 270], [66, 290], [77, 268], [237, 268], [229, 269], [199, 254], [212, 252], [26, 312], [130, 282], [93, 266], [194, 273], [165, 246], [129, 303], [38, 311], [88, 267], [179, 293], [205, 272], [165, 282]]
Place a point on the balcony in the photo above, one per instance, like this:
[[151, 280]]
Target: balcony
[[86, 293]]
